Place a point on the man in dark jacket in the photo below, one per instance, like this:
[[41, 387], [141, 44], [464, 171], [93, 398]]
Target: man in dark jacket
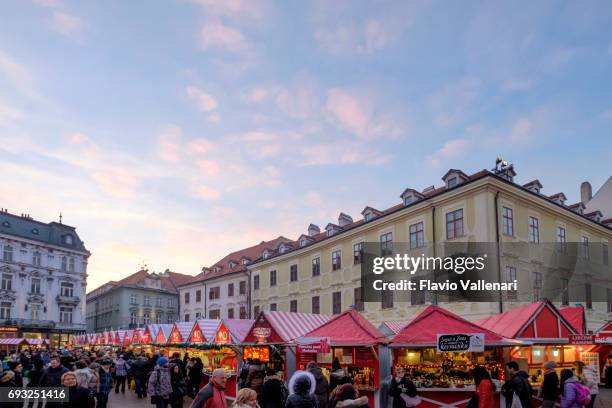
[[176, 360], [52, 376], [401, 384], [550, 386], [212, 395], [274, 393], [322, 387], [518, 384], [140, 371], [255, 379]]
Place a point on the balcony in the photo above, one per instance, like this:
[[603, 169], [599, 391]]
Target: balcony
[[23, 323], [70, 326], [68, 300]]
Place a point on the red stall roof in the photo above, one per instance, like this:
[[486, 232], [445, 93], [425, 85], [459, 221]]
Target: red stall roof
[[127, 337], [283, 327], [203, 331], [137, 336], [349, 328], [163, 333], [238, 328], [423, 330], [180, 332], [576, 317], [540, 320], [393, 326]]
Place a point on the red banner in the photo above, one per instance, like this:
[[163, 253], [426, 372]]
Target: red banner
[[315, 345]]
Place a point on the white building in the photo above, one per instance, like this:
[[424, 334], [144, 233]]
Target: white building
[[43, 279], [223, 290]]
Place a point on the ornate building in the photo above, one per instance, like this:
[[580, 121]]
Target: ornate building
[[43, 279]]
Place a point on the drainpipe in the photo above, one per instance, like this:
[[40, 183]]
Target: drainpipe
[[498, 242], [433, 236]]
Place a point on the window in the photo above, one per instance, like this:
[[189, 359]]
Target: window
[[243, 313], [186, 317], [36, 258], [133, 300], [7, 255], [387, 301], [273, 307], [147, 300], [158, 318], [255, 282], [508, 221], [386, 244], [417, 235], [316, 266], [198, 315], [357, 253], [35, 285], [158, 301], [452, 182], [537, 286], [230, 289], [561, 239], [7, 281], [242, 288], [71, 265], [66, 289], [358, 296], [5, 310], [565, 292], [303, 242], [34, 312], [170, 319], [214, 293], [133, 318], [336, 260], [293, 306], [272, 278], [588, 296], [255, 311], [65, 315], [534, 230], [584, 248], [336, 302], [407, 199], [68, 239], [146, 318], [64, 263], [417, 297], [198, 296], [510, 278], [609, 299], [604, 254], [454, 224], [230, 313], [293, 273], [316, 305], [170, 302]]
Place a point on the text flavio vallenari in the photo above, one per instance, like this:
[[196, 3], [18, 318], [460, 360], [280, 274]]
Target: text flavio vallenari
[[457, 264]]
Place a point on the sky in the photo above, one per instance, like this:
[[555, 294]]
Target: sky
[[170, 133]]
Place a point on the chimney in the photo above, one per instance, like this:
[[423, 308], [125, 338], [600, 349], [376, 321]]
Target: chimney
[[313, 230], [586, 192], [344, 219]]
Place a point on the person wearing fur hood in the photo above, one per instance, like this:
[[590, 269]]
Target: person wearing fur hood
[[347, 396], [302, 388], [8, 380]]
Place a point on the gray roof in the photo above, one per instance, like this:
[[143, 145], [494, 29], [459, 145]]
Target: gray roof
[[52, 233]]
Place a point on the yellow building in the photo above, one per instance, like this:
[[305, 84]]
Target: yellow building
[[320, 272]]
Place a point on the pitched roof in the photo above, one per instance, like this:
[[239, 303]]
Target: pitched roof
[[169, 280], [393, 326], [575, 316], [349, 328], [423, 330], [287, 326], [238, 328]]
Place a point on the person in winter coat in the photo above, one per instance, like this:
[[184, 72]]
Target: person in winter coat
[[338, 375], [179, 387], [302, 387], [589, 379], [106, 383], [195, 376], [121, 371], [140, 369], [606, 373], [78, 397], [176, 361], [160, 384], [17, 368], [274, 393], [34, 376], [568, 389], [518, 384], [401, 384], [322, 388], [212, 395], [244, 372], [52, 376], [485, 389], [549, 392], [8, 380], [347, 396], [246, 398], [255, 379]]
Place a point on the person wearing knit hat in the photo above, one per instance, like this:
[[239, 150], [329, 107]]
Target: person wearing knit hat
[[549, 392], [162, 361]]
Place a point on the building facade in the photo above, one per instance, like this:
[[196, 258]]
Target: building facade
[[320, 272], [139, 299], [43, 272], [222, 290]]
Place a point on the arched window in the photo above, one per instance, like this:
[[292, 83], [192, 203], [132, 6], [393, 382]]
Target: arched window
[[64, 263], [71, 265]]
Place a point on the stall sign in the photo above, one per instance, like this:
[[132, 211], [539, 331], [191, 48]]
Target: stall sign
[[582, 339], [160, 338], [261, 353], [222, 336], [315, 345], [603, 339], [196, 335], [175, 336], [8, 329], [262, 333], [460, 342]]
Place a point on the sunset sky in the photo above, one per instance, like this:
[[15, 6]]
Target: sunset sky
[[172, 132]]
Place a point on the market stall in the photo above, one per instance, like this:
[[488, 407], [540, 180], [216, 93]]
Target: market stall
[[271, 338], [357, 345], [392, 327], [177, 341], [163, 335], [8, 344], [439, 350]]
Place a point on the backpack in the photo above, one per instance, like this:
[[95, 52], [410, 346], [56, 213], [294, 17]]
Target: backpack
[[583, 394]]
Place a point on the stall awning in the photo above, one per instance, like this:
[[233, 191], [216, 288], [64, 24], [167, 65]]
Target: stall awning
[[349, 328], [203, 331], [180, 332], [539, 322], [576, 317], [283, 327], [37, 342], [238, 328], [12, 341], [423, 330], [163, 333]]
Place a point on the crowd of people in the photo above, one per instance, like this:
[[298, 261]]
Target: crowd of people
[[91, 376]]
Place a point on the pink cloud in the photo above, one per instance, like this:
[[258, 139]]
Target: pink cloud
[[199, 146], [66, 23], [221, 36], [205, 193], [451, 150], [521, 131], [208, 167], [169, 144], [117, 182], [204, 101]]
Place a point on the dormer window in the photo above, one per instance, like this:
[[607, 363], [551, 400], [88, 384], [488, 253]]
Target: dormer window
[[558, 198], [370, 213], [6, 224], [266, 254], [534, 186], [35, 231], [454, 177], [332, 229], [68, 239], [452, 182], [410, 196], [232, 265], [245, 261], [282, 249], [216, 269], [578, 208]]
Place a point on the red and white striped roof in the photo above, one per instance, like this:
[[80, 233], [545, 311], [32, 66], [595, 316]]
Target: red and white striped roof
[[395, 325], [37, 342], [288, 325], [208, 327], [12, 341], [184, 329]]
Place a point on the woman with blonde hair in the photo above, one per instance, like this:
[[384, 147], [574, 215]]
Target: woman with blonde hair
[[246, 398]]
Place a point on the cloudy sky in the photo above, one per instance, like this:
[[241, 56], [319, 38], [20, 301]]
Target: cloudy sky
[[172, 132]]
